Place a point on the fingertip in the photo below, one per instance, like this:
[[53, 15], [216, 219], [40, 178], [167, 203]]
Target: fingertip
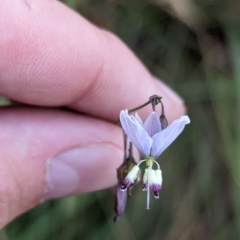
[[174, 104]]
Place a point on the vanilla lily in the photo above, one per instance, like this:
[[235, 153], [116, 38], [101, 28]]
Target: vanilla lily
[[151, 138]]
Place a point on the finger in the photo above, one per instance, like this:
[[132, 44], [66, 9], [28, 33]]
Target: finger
[[50, 60], [50, 153]]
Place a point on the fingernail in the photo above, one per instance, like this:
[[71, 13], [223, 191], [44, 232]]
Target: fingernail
[[82, 169], [169, 92]]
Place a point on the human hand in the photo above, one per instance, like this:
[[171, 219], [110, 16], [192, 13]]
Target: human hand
[[51, 57]]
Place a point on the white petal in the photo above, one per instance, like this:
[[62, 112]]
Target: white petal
[[158, 173], [163, 139], [152, 178], [152, 124], [132, 175], [136, 133], [145, 176]]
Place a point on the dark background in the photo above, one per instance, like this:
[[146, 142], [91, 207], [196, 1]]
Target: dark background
[[195, 47]]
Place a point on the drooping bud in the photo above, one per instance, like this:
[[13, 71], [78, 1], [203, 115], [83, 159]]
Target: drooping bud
[[120, 197], [163, 119], [120, 202]]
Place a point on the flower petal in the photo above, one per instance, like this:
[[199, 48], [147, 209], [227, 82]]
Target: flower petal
[[152, 124], [158, 173], [153, 182], [163, 139], [138, 119], [126, 184], [136, 133], [155, 188], [130, 178], [145, 180]]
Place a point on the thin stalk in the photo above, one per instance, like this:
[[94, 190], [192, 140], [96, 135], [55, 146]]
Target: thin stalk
[[139, 107], [154, 100]]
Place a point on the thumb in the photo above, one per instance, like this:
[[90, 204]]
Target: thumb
[[49, 153]]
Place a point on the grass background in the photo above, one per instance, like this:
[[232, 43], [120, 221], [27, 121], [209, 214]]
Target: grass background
[[195, 47]]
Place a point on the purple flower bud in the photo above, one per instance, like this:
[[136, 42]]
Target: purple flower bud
[[120, 202], [164, 121]]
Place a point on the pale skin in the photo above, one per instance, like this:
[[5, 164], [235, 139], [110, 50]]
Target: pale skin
[[50, 56]]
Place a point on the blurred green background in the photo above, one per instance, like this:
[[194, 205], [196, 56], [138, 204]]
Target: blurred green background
[[195, 47]]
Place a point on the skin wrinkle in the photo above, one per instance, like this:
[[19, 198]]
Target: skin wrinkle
[[16, 190], [113, 44], [98, 81], [93, 80], [7, 196], [15, 193], [22, 56], [4, 205], [19, 177], [27, 3], [95, 84]]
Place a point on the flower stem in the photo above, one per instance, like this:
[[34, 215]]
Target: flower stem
[[139, 107], [162, 113], [142, 161], [130, 153], [157, 164], [154, 100]]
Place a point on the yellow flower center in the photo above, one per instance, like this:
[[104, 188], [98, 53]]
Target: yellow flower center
[[149, 161]]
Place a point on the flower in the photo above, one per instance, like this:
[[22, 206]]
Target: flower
[[154, 179], [151, 138], [130, 178]]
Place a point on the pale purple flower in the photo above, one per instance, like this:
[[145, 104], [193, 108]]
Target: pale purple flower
[[151, 139]]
